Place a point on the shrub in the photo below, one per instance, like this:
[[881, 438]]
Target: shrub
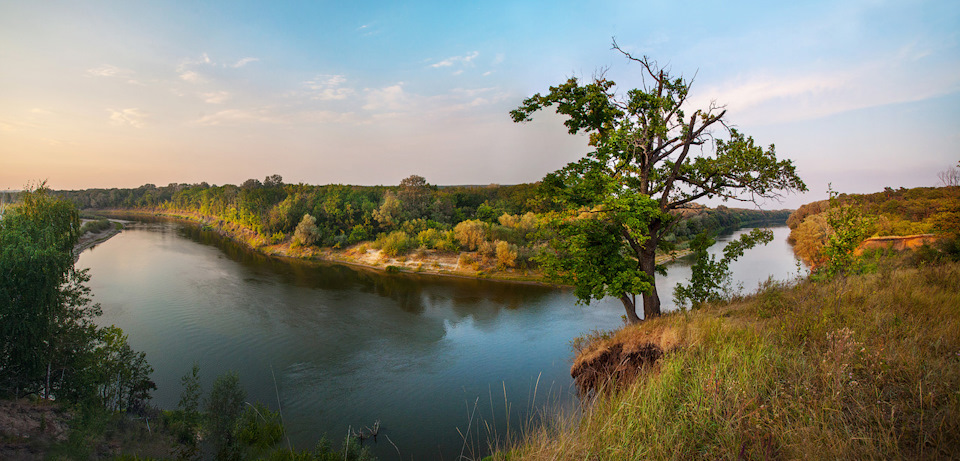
[[428, 238], [307, 233], [447, 243], [99, 225], [506, 255], [395, 243], [359, 233], [471, 233], [487, 248]]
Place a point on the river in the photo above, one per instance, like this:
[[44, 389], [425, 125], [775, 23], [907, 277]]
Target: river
[[342, 347]]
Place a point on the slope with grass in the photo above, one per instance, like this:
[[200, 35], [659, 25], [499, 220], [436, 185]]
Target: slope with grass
[[900, 212], [861, 367]]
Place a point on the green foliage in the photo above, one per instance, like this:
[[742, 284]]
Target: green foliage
[[396, 243], [96, 226], [710, 278], [350, 451], [849, 227], [643, 168], [223, 408], [259, 428], [49, 343], [792, 373], [123, 374], [307, 233], [891, 212]]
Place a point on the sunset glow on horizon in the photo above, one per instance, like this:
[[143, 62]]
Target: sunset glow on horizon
[[860, 94]]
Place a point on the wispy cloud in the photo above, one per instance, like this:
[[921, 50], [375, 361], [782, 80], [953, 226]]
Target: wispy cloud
[[108, 70], [368, 29], [773, 97], [215, 97], [387, 99], [191, 76], [244, 61], [236, 116], [132, 117], [327, 87], [453, 60]]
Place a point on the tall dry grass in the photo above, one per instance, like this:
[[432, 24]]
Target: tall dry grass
[[862, 367]]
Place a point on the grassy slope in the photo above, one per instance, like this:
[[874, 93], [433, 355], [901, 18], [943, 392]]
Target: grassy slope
[[867, 367]]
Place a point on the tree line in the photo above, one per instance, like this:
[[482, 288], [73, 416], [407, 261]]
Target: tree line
[[50, 346], [405, 217]]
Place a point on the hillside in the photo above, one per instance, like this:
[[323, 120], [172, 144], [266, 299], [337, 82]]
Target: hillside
[[856, 368], [848, 364], [901, 212]]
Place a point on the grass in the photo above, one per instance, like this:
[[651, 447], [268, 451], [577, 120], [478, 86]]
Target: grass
[[862, 367]]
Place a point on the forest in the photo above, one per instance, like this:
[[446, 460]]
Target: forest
[[398, 219]]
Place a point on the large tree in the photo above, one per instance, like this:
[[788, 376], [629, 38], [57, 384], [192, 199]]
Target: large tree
[[651, 156]]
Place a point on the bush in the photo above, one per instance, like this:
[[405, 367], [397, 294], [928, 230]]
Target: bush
[[506, 255], [447, 243], [223, 410], [487, 248], [99, 225], [395, 243], [428, 238], [471, 233], [307, 233]]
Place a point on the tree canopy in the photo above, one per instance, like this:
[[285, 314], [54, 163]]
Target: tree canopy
[[651, 156], [49, 344]]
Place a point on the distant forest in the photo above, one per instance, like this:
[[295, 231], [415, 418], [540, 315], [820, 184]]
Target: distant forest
[[346, 215]]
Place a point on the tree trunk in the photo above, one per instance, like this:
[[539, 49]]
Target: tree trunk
[[631, 308], [648, 264]]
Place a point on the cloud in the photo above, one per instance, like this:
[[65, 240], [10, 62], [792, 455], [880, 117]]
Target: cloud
[[191, 76], [464, 60], [326, 87], [792, 95], [236, 116], [215, 97], [244, 62], [368, 29], [387, 99], [108, 70], [133, 117]]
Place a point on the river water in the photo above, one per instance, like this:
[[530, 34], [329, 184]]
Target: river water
[[343, 347]]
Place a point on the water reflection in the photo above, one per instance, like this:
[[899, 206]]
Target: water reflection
[[347, 345]]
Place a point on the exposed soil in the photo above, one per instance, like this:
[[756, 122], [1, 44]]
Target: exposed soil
[[27, 429], [612, 366]]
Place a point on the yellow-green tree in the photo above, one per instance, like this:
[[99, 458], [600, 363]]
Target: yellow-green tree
[[651, 155]]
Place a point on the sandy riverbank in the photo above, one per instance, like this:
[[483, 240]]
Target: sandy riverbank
[[91, 239]]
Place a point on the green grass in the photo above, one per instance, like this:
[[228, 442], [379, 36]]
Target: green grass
[[863, 367]]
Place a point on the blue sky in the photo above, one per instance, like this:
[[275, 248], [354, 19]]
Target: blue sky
[[860, 94]]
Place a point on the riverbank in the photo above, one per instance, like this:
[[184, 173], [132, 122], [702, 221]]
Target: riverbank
[[91, 239], [424, 261], [864, 367]]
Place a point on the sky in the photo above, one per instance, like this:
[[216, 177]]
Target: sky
[[861, 95]]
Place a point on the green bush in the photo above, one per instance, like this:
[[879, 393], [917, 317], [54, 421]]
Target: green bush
[[307, 233], [395, 243], [97, 226]]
